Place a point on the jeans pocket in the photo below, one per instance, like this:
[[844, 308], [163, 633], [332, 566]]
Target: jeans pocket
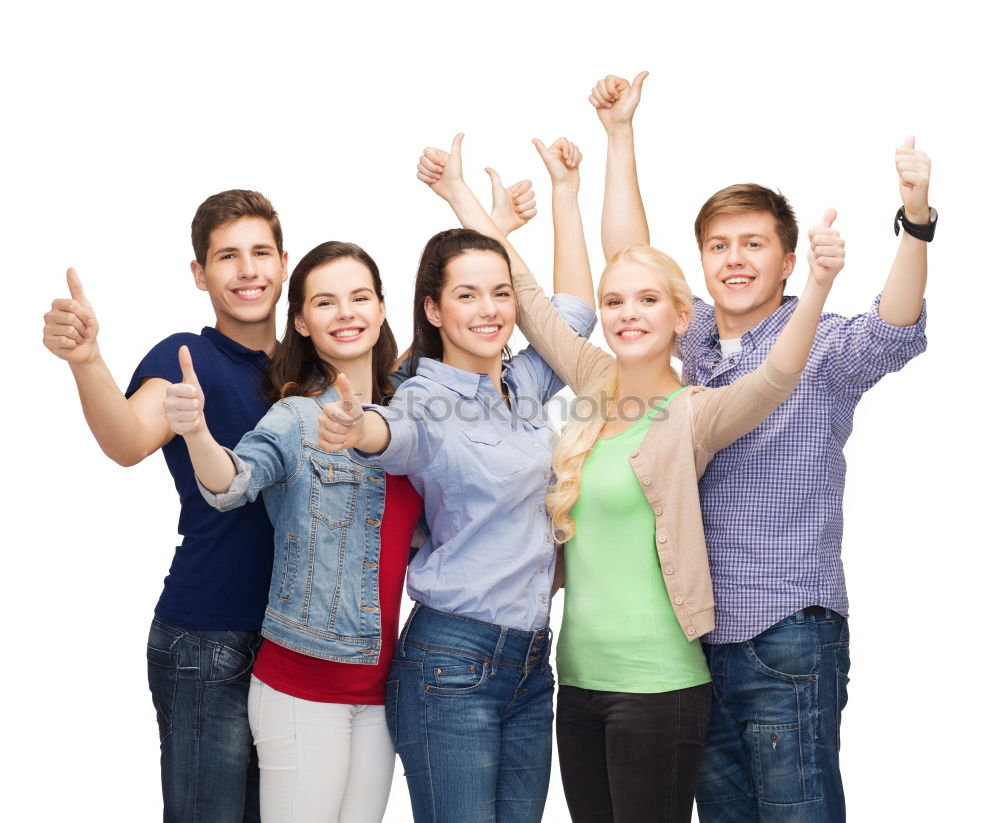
[[391, 702], [784, 758], [452, 674], [232, 661], [786, 652], [161, 674]]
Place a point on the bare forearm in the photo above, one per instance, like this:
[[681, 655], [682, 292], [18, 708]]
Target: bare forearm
[[571, 269], [791, 350], [903, 294], [623, 220], [374, 434], [113, 420], [472, 215], [213, 466]]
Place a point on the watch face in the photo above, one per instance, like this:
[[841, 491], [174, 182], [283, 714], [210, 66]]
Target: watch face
[[933, 215]]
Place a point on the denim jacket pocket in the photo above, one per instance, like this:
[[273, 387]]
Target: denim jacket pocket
[[335, 484]]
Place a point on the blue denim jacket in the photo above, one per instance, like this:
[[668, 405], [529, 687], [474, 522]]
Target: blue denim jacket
[[327, 514]]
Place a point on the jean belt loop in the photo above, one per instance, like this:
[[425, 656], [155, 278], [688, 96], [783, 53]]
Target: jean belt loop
[[406, 629], [495, 662], [800, 616]]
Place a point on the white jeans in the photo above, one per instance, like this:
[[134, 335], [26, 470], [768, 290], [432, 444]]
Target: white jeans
[[319, 762]]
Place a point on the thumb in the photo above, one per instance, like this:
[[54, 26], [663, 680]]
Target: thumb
[[637, 83], [909, 142], [828, 217], [76, 287], [498, 189], [187, 367], [456, 146], [542, 151], [343, 387]]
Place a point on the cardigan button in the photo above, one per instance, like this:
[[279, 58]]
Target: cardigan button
[[678, 600], [634, 454], [668, 570], [691, 630], [658, 510], [646, 481], [662, 538]]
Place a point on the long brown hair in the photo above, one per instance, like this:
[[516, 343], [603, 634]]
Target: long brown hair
[[296, 369], [439, 251]]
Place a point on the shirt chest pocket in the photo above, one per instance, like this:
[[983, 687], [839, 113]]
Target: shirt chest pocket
[[490, 451], [336, 483]]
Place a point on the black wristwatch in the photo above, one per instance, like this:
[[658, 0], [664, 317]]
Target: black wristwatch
[[922, 231]]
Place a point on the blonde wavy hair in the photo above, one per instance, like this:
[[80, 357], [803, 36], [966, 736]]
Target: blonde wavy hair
[[582, 430]]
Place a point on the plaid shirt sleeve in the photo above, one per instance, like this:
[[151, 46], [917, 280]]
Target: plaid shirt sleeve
[[865, 348]]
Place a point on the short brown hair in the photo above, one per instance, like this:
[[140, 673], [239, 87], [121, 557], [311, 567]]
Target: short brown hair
[[225, 207], [749, 197]]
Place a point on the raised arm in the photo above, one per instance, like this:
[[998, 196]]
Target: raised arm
[[903, 294], [726, 414], [442, 171], [183, 410], [623, 220], [826, 259], [571, 266], [127, 430]]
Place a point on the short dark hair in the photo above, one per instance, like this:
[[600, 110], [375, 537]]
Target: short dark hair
[[749, 197], [296, 369], [439, 251], [225, 207]]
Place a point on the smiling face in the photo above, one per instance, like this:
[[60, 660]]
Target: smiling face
[[475, 313], [243, 273], [638, 315], [745, 268], [341, 312]]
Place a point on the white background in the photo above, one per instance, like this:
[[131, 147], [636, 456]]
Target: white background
[[119, 119]]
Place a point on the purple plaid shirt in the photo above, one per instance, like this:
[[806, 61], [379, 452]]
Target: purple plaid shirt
[[772, 502]]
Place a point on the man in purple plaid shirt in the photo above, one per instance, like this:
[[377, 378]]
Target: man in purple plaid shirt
[[772, 503]]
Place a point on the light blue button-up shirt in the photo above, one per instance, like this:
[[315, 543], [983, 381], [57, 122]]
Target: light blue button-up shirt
[[483, 471]]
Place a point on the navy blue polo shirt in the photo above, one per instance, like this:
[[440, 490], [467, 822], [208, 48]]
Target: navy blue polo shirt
[[221, 572]]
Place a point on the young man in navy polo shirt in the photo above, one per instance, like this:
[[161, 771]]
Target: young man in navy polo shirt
[[205, 629], [772, 503]]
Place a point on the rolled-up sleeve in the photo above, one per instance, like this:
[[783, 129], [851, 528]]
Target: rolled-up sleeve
[[866, 348], [413, 439], [261, 459]]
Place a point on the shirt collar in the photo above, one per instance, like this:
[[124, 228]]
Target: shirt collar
[[236, 352], [706, 331], [463, 382]]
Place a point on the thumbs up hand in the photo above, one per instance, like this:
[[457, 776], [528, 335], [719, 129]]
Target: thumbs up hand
[[341, 423], [826, 250], [70, 331], [185, 401], [914, 169]]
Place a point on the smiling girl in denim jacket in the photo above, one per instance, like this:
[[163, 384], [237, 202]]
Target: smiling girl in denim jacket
[[469, 695], [341, 541]]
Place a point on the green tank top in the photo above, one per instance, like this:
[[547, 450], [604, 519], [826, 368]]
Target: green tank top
[[619, 632]]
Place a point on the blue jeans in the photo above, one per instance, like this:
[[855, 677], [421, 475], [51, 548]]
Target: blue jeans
[[469, 710], [199, 681], [773, 746]]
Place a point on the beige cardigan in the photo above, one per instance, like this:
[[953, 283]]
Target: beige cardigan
[[675, 451]]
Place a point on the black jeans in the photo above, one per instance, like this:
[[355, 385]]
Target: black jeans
[[631, 758]]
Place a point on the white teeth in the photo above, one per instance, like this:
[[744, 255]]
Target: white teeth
[[631, 333], [737, 281], [485, 329], [347, 333], [250, 292]]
